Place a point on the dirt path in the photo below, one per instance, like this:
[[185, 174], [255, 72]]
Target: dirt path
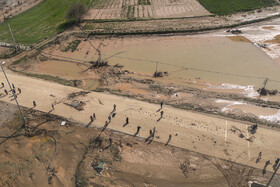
[[201, 133]]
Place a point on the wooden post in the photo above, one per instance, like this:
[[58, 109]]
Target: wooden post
[[265, 82], [156, 68]]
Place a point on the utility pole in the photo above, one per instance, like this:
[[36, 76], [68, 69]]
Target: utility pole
[[156, 67], [262, 90], [265, 82], [13, 92], [11, 32], [13, 37], [156, 70]]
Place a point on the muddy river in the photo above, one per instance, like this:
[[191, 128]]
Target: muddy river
[[211, 59]]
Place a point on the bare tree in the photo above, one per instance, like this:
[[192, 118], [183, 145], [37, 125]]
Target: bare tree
[[76, 12]]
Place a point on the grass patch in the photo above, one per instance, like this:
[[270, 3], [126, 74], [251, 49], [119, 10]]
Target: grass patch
[[72, 45], [144, 2], [99, 4], [65, 82], [224, 7], [17, 62], [130, 12], [44, 20]]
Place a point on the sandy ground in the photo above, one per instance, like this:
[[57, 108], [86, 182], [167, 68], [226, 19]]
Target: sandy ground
[[189, 130], [129, 161]]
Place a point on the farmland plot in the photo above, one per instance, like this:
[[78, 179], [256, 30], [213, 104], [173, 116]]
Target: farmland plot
[[10, 8], [145, 9]]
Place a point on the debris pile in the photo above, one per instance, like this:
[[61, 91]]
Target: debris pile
[[253, 129], [78, 105], [264, 92], [160, 74], [98, 64], [234, 31]]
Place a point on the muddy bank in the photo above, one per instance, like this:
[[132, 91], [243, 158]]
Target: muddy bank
[[192, 94]]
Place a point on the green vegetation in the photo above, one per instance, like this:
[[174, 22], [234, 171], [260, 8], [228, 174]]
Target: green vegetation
[[130, 12], [76, 12], [72, 45], [144, 2], [99, 4], [44, 20], [224, 7]]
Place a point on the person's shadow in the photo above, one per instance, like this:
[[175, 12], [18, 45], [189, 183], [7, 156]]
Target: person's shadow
[[89, 124], [159, 119], [105, 126], [2, 96], [136, 133], [148, 138], [150, 141], [265, 166], [126, 123], [169, 139], [14, 135]]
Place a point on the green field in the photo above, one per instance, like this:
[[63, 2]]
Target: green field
[[38, 23], [224, 7]]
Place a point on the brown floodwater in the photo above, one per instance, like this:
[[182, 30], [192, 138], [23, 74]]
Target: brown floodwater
[[212, 59], [61, 69]]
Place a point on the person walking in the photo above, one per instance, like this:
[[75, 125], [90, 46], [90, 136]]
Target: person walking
[[19, 90], [115, 106], [52, 106], [91, 118], [13, 85], [34, 104], [127, 120], [109, 118], [138, 128], [93, 115], [161, 114], [6, 92], [161, 104]]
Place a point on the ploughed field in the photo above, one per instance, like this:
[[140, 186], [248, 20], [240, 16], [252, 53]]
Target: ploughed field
[[223, 7], [134, 9]]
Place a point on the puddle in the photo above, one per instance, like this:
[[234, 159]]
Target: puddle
[[61, 69], [276, 40], [239, 39], [268, 27], [91, 84], [210, 59]]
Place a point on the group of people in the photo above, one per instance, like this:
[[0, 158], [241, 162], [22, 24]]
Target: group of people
[[93, 116], [13, 90], [152, 131]]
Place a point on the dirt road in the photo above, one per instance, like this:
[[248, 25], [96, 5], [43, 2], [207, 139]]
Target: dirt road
[[200, 133]]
